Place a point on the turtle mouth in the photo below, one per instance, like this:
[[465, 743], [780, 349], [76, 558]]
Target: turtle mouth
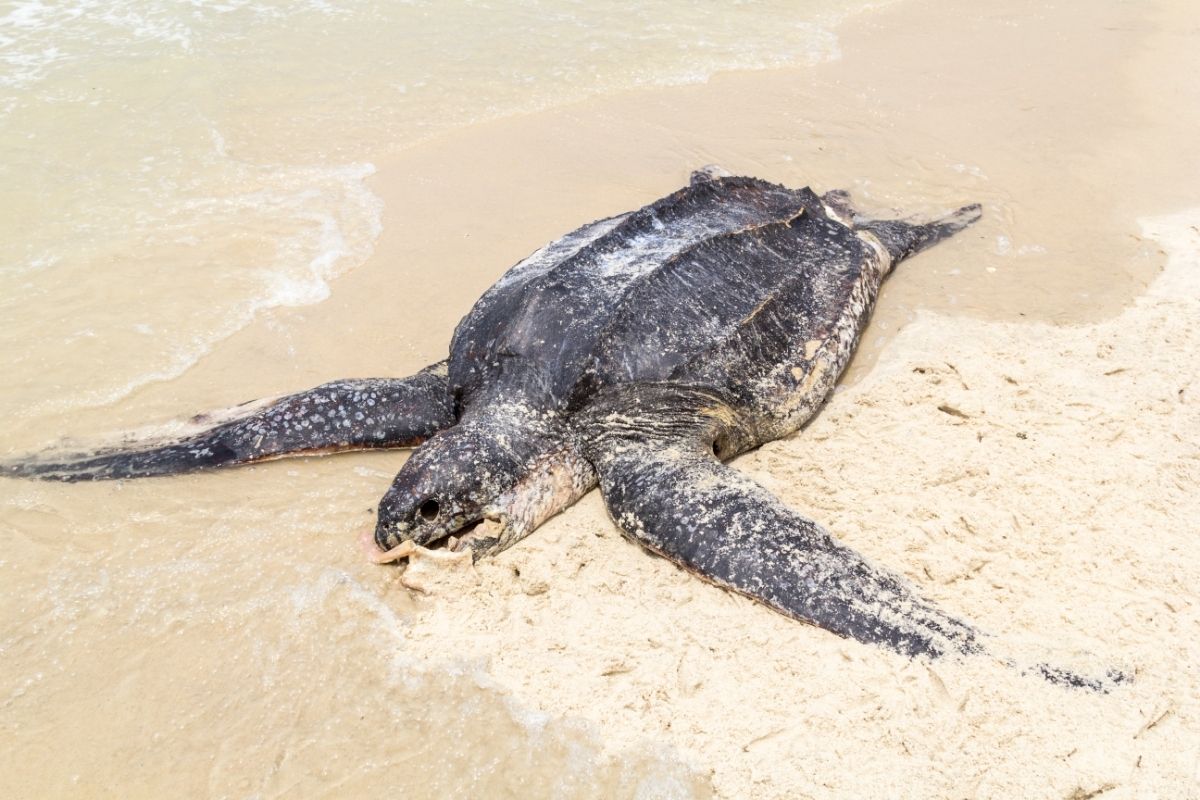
[[459, 540]]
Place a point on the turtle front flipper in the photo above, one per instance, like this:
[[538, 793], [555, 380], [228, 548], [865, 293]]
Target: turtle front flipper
[[658, 457], [342, 415], [672, 495]]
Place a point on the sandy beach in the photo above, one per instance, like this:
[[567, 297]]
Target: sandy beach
[[1017, 437]]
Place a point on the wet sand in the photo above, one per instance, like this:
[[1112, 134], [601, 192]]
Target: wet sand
[[218, 634]]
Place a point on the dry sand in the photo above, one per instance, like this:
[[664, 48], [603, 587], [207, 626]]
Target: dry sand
[[1038, 480]]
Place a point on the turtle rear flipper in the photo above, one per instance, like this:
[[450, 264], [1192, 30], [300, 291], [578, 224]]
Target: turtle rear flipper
[[666, 487], [900, 237], [903, 238], [343, 415]]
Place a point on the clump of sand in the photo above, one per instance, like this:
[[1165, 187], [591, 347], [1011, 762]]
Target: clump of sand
[[1039, 481]]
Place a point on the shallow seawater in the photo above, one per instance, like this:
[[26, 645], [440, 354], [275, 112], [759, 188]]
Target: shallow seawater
[[202, 203]]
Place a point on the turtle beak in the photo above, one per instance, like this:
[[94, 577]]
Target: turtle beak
[[381, 544], [377, 556]]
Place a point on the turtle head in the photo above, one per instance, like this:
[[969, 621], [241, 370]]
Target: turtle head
[[444, 492]]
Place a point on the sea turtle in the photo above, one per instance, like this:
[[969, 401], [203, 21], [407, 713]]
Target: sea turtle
[[640, 352]]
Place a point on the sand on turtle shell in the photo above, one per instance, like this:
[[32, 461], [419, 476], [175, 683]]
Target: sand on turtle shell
[[1040, 481]]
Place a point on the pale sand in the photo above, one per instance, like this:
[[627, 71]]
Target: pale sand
[[1038, 480]]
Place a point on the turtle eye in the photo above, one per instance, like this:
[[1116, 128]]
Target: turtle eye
[[429, 510]]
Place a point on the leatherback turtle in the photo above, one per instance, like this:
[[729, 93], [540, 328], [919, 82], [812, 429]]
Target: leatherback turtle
[[640, 352]]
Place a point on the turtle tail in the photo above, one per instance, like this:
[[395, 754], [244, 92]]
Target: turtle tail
[[903, 239]]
